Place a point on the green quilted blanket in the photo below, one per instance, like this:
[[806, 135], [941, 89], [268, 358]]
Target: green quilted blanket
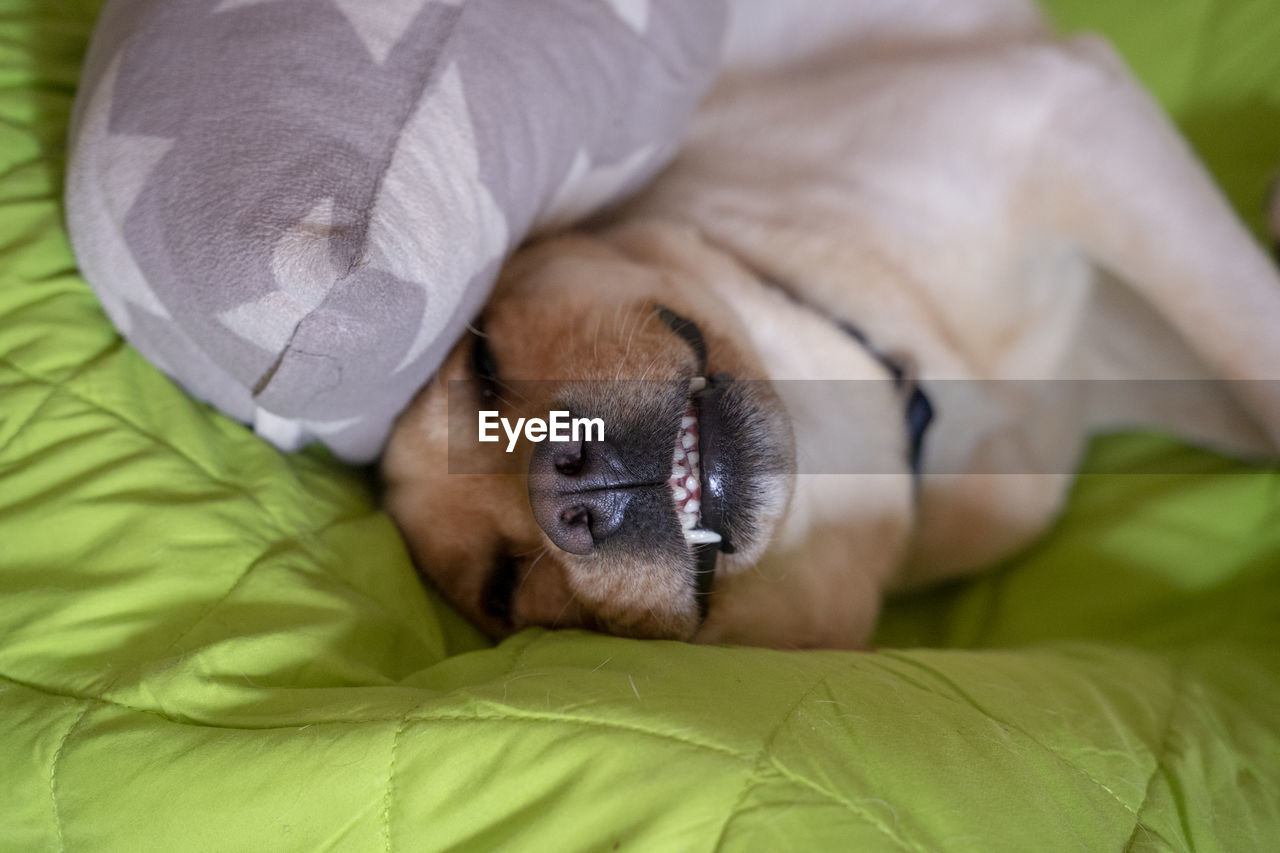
[[207, 645]]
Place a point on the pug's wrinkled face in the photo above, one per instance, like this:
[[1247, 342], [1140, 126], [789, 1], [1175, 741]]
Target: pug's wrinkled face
[[623, 534]]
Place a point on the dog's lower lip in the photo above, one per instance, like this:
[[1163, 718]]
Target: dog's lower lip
[[715, 503]]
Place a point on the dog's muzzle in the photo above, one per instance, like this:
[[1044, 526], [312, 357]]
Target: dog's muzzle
[[586, 493]]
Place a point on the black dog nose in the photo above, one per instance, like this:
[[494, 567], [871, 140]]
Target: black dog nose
[[579, 493]]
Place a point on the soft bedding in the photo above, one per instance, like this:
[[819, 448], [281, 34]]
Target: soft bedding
[[206, 644]]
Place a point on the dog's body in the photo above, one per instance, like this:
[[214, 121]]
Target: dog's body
[[987, 212]]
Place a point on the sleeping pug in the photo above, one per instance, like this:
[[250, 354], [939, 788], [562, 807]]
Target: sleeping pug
[[853, 340]]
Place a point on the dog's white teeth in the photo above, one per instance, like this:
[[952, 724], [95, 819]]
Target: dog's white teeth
[[697, 384], [686, 488], [698, 536]]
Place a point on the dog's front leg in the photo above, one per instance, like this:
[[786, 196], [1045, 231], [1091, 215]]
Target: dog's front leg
[[1112, 174]]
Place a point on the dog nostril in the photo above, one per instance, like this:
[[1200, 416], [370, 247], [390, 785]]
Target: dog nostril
[[569, 467], [568, 527], [567, 460], [577, 496], [576, 516]]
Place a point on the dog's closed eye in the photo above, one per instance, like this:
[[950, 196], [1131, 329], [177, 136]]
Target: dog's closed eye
[[688, 331], [499, 591]]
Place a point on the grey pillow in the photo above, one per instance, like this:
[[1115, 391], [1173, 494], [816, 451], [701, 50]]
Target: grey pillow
[[294, 207]]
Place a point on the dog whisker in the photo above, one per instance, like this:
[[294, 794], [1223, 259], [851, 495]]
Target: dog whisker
[[573, 598], [641, 318], [503, 400], [528, 572], [540, 550], [507, 387], [595, 342]]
